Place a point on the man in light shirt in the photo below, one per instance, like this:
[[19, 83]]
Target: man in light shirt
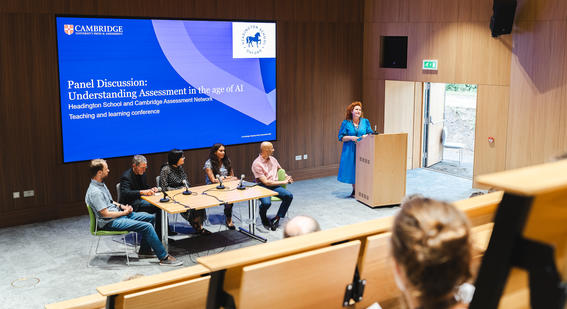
[[265, 170], [114, 216]]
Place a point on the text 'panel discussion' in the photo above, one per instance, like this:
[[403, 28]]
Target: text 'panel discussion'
[[370, 154]]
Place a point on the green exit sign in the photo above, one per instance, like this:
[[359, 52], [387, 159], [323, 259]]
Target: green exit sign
[[429, 65]]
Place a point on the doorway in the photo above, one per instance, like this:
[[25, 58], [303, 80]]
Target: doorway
[[449, 115]]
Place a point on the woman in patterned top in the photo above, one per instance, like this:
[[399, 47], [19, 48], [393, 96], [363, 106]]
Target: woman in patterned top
[[171, 177], [219, 164]]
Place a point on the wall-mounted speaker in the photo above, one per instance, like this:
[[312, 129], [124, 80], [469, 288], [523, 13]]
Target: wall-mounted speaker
[[394, 52], [502, 20]]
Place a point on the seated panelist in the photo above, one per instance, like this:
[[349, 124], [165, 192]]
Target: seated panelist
[[219, 164], [265, 170], [134, 185], [114, 216], [171, 177]]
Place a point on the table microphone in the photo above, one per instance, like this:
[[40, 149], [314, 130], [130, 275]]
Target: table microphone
[[187, 191], [220, 186], [165, 198], [240, 186]]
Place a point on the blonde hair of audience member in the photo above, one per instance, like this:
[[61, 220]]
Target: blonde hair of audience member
[[560, 157], [300, 225], [431, 248]]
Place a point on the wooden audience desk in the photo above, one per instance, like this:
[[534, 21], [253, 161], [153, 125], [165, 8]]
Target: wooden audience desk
[[526, 259], [209, 196]]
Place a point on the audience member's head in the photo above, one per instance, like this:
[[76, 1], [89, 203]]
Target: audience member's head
[[136, 276], [300, 225], [476, 193], [174, 157], [411, 197], [560, 157], [432, 252], [97, 165]]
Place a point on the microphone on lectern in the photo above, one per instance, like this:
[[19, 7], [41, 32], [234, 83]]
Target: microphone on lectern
[[375, 132]]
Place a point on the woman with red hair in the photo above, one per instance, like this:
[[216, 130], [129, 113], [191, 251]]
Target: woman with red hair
[[353, 129]]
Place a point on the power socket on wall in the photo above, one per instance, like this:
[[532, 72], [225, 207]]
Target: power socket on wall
[[29, 193]]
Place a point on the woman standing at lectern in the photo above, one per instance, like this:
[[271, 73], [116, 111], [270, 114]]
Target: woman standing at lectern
[[353, 129]]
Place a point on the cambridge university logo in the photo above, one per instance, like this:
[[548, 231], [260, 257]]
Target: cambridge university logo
[[68, 29]]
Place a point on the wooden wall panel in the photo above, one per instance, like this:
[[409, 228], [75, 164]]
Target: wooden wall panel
[[434, 11], [386, 11], [466, 52], [537, 114], [491, 121], [439, 42], [374, 102], [319, 73], [425, 41], [461, 47], [526, 10], [475, 11], [23, 106], [481, 58], [551, 10], [372, 33], [541, 10], [285, 10], [399, 112], [457, 34]]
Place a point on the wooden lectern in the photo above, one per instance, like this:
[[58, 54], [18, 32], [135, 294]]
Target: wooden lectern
[[381, 169]]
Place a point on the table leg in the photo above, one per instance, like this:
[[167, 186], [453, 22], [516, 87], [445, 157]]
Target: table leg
[[252, 216], [164, 229], [252, 223]]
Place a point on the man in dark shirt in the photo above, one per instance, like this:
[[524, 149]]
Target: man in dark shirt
[[134, 185]]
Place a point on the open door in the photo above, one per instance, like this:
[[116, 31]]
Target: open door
[[434, 109]]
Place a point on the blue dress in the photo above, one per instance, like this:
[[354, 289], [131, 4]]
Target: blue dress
[[347, 168]]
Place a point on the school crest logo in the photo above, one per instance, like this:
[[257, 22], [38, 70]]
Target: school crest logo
[[254, 40], [69, 29]]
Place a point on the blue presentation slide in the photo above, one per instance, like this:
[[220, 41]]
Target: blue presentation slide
[[139, 86]]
